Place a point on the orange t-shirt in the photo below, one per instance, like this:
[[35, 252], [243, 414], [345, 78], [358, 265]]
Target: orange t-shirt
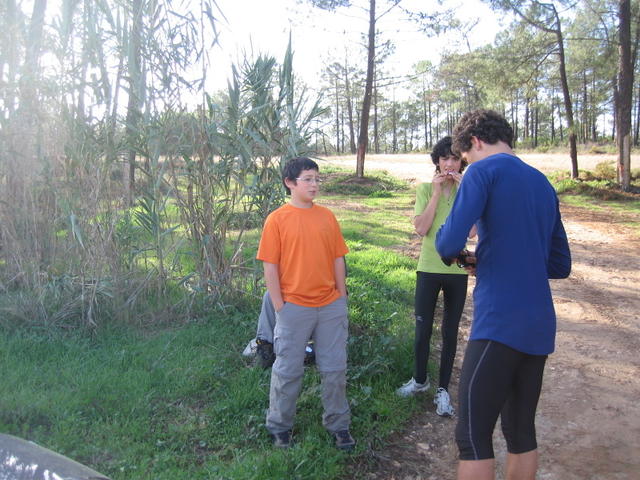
[[304, 243]]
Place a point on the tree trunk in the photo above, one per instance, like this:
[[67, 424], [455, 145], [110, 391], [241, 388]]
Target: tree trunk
[[342, 135], [625, 94], [553, 119], [568, 107], [376, 133], [614, 124], [11, 59], [634, 59], [425, 118], [536, 123], [352, 141], [363, 138], [135, 92], [404, 139], [525, 134], [337, 117], [430, 126], [637, 130], [394, 126], [515, 122], [585, 109], [25, 124], [28, 97], [594, 115]]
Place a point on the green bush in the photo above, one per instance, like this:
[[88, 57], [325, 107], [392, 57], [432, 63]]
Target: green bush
[[380, 185], [598, 149], [605, 171]]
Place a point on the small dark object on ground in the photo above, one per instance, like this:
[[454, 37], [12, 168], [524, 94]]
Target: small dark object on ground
[[344, 440], [281, 439], [265, 354]]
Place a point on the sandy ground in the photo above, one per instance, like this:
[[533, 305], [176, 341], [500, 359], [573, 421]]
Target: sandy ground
[[589, 414], [419, 167]]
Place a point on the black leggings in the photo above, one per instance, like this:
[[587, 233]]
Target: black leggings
[[497, 380], [428, 286]]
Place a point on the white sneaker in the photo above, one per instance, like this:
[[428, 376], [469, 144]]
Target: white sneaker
[[412, 387], [443, 403], [250, 349]]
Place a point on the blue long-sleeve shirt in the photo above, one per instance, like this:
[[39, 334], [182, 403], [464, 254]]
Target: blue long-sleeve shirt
[[522, 243]]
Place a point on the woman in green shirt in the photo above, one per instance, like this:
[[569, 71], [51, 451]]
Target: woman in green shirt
[[433, 204]]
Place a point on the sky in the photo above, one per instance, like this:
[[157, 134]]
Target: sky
[[263, 26]]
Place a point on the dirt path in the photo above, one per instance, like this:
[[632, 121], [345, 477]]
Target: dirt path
[[419, 166], [589, 413]]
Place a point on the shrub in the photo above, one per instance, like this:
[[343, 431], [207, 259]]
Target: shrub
[[380, 185], [597, 150], [605, 171]]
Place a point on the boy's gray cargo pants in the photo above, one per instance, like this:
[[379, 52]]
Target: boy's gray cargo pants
[[328, 326]]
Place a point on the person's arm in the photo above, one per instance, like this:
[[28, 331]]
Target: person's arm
[[559, 263], [424, 221], [465, 212], [272, 279], [340, 273]]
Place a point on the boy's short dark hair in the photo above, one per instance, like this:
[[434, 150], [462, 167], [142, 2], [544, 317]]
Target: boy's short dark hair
[[443, 149], [294, 167], [486, 125]]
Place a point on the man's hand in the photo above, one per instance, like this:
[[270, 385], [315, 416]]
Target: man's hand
[[470, 263], [465, 259]]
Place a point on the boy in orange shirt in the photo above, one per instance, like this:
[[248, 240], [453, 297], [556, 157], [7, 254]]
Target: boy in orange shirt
[[302, 249]]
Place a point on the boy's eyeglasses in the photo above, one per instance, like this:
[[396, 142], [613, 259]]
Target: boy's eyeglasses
[[310, 180]]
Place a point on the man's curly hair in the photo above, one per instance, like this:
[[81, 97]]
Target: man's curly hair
[[486, 125]]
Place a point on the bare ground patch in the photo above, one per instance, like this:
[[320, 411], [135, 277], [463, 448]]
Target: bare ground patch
[[589, 417]]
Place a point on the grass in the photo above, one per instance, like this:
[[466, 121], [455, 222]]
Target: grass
[[181, 403], [597, 191]]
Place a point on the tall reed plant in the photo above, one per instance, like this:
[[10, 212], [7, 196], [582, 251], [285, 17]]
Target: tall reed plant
[[74, 249], [229, 179]]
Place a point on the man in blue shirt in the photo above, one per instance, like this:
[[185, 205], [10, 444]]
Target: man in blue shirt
[[522, 244]]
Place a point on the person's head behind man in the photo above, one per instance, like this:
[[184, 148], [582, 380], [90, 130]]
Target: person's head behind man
[[485, 126], [294, 169], [442, 151]]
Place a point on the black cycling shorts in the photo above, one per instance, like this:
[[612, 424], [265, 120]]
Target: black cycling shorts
[[497, 380]]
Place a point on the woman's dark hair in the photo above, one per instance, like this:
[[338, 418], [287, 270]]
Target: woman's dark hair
[[443, 149], [486, 125], [294, 167]]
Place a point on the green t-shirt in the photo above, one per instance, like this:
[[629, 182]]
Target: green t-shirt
[[430, 260]]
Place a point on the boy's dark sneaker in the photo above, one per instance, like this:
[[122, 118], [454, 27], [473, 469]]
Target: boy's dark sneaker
[[344, 440], [265, 353], [281, 439]]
